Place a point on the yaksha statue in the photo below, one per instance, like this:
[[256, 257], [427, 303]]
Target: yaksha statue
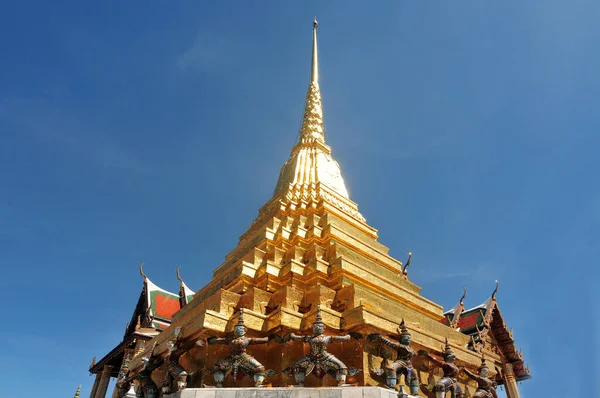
[[448, 382], [238, 359], [403, 363], [174, 369], [486, 388], [147, 388], [319, 360], [124, 382]]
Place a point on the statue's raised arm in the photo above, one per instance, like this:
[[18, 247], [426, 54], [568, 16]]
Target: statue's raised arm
[[390, 343], [296, 337], [403, 363], [486, 387], [259, 340], [340, 339], [217, 340], [433, 359], [449, 381], [471, 375]]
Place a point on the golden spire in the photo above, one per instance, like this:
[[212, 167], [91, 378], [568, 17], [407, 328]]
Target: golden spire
[[78, 392], [314, 76], [310, 164], [312, 122]]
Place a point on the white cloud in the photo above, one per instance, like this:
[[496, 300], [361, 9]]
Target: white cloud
[[206, 52]]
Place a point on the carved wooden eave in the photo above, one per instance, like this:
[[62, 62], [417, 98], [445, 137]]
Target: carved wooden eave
[[506, 343], [115, 357]]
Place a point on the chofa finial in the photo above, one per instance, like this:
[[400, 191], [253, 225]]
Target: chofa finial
[[495, 291], [404, 269], [179, 275], [463, 296], [142, 271]]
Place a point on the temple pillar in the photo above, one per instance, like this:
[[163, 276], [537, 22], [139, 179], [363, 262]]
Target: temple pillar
[[95, 386], [104, 380], [510, 382]]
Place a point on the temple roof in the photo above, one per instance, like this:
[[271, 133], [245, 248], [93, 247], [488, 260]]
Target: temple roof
[[152, 314], [485, 323], [155, 307]]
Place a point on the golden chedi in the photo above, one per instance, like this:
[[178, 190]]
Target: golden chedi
[[310, 253]]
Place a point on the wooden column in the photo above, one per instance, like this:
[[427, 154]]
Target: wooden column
[[95, 386], [104, 380], [510, 382]]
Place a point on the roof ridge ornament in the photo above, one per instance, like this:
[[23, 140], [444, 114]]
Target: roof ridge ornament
[[495, 291], [405, 268], [142, 271], [463, 296], [457, 311], [178, 274]]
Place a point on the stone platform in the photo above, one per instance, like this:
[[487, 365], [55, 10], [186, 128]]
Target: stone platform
[[289, 392]]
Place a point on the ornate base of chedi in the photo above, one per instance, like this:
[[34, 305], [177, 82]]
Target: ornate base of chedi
[[293, 392]]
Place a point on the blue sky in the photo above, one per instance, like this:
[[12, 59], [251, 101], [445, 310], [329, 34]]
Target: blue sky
[[153, 131]]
